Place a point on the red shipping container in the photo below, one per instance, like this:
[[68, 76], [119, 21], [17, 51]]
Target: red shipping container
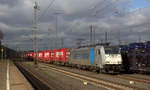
[[52, 55], [47, 55], [57, 54], [66, 54], [40, 56], [62, 54]]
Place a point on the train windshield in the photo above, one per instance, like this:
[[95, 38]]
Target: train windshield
[[112, 50]]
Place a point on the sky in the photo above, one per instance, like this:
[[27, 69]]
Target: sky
[[125, 19], [135, 4]]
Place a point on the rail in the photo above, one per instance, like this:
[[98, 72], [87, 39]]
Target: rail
[[35, 81], [95, 81]]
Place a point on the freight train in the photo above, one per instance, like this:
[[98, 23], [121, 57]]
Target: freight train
[[136, 57], [99, 58], [136, 61], [136, 46]]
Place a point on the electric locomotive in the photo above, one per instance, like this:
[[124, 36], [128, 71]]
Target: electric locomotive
[[99, 58]]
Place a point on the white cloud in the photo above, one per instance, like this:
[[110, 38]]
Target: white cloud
[[136, 19], [77, 15]]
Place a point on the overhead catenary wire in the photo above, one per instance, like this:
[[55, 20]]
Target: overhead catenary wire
[[95, 7], [44, 12], [110, 4]]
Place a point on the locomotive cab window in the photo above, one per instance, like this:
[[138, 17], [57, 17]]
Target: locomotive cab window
[[112, 50]]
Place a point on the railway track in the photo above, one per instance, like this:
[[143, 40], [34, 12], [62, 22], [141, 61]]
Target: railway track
[[49, 82], [93, 80], [140, 76], [37, 82], [129, 78], [104, 83], [135, 79]]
